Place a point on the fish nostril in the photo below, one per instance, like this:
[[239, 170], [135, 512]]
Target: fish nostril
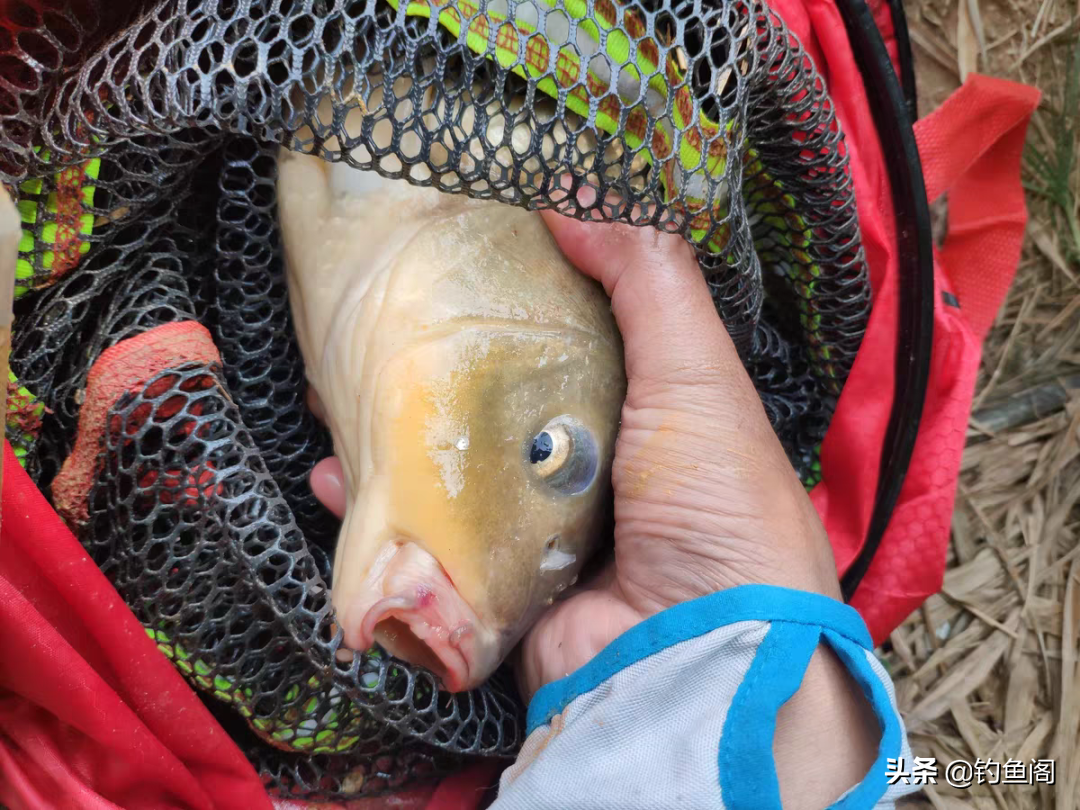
[[554, 558]]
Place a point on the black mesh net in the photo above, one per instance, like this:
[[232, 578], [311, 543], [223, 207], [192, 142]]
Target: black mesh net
[[140, 145]]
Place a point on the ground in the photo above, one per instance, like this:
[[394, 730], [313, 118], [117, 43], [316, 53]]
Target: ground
[[988, 667]]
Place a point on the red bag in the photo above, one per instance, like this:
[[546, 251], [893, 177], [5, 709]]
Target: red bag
[[970, 149], [93, 716]]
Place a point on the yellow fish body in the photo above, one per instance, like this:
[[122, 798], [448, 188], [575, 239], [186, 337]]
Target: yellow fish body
[[472, 380]]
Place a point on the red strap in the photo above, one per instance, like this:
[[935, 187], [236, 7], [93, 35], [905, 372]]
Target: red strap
[[971, 148], [125, 367]]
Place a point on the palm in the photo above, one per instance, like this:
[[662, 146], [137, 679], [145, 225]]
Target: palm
[[572, 632], [696, 463], [673, 542]]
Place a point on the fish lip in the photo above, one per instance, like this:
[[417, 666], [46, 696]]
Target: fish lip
[[424, 622], [385, 608]]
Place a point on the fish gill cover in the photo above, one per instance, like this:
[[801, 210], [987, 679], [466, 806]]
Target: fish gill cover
[[161, 388]]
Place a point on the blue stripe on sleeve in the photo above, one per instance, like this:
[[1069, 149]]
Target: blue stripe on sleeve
[[692, 619], [747, 770]]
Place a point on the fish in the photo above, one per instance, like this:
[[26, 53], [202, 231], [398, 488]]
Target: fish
[[472, 380]]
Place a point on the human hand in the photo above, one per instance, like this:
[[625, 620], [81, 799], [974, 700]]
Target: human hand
[[705, 498]]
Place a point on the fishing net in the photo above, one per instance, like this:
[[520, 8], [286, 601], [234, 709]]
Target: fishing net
[[159, 389]]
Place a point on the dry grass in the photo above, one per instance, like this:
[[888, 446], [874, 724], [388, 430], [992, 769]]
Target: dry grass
[[988, 668]]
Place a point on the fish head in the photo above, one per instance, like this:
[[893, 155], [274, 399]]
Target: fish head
[[473, 381], [488, 487]]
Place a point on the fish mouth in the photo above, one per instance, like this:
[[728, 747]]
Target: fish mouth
[[412, 609], [415, 629]]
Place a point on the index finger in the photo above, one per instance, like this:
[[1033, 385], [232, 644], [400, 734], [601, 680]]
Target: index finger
[[671, 331]]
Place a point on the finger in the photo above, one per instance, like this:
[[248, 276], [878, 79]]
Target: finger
[[573, 632], [661, 302], [694, 427], [679, 357], [328, 485]]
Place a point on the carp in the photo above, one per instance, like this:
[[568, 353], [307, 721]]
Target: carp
[[472, 380]]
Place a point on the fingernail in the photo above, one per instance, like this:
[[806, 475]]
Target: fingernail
[[327, 482]]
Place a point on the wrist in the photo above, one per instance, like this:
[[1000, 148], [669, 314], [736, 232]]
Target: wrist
[[678, 560], [826, 736]]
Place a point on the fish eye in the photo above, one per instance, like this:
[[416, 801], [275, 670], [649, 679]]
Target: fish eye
[[564, 455], [542, 446]]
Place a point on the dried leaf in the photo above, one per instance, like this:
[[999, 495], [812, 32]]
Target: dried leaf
[[963, 538], [1041, 238], [975, 734], [1021, 694], [1064, 744], [967, 43], [934, 47], [964, 677], [973, 577], [1034, 746]]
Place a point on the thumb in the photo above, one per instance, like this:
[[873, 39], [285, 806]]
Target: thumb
[[671, 331], [328, 485]]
